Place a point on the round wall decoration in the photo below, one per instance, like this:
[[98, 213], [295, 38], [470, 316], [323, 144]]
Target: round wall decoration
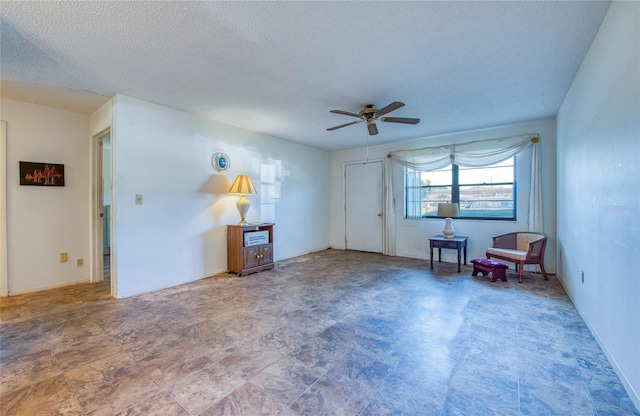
[[220, 162]]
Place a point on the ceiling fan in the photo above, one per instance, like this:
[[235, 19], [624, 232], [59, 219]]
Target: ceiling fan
[[370, 114]]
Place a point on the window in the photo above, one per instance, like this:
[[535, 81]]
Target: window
[[486, 192]]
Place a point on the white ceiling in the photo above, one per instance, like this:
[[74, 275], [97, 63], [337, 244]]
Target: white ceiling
[[279, 67]]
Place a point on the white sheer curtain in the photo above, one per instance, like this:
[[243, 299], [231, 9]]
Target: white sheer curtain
[[413, 185], [428, 158], [535, 193], [389, 234], [535, 198], [477, 153]]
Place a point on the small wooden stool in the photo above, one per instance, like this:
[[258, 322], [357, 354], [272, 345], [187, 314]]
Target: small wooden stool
[[486, 266]]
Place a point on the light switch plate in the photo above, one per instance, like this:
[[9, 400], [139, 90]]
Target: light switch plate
[[138, 199]]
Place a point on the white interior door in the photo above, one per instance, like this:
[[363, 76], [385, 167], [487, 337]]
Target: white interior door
[[363, 206]]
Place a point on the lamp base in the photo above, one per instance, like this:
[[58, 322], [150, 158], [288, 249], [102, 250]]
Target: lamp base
[[448, 231], [243, 205]]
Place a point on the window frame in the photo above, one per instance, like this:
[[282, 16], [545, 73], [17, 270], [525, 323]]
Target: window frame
[[455, 192]]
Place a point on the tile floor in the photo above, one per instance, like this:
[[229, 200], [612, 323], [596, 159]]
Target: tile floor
[[331, 333]]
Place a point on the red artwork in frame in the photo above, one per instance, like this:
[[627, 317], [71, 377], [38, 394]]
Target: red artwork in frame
[[41, 174]]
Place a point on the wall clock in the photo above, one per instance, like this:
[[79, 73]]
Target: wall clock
[[220, 162]]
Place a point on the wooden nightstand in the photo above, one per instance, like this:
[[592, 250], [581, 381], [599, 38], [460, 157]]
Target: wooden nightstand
[[244, 258]]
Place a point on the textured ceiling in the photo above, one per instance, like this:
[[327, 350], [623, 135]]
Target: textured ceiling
[[279, 67]]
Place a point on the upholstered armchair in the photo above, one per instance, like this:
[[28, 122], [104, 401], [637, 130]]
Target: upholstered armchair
[[520, 248]]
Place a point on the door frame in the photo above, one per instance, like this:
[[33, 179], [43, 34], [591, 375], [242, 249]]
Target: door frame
[[4, 267], [344, 198], [97, 259]]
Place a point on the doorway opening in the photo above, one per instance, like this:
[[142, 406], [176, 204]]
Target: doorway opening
[[106, 206], [102, 224]]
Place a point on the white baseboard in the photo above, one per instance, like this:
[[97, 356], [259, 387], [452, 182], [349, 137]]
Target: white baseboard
[[47, 287]]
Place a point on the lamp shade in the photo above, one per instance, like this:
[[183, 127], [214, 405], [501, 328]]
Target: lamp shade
[[448, 210], [243, 186]]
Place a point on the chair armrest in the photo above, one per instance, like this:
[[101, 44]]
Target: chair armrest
[[536, 248]]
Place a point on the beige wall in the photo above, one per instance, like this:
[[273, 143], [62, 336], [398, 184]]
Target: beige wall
[[178, 234], [44, 222]]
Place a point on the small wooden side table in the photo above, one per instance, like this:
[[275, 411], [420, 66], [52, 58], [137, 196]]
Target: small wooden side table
[[244, 258], [456, 243]]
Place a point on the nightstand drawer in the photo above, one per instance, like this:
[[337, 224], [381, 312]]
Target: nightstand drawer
[[456, 243], [447, 244]]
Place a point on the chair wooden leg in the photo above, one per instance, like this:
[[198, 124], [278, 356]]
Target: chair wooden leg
[[544, 273], [520, 269]]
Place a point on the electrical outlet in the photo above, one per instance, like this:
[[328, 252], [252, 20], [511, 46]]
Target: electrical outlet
[[583, 277], [63, 257], [79, 262]]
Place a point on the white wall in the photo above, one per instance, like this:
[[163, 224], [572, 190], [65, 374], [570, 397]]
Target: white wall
[[178, 234], [46, 221], [412, 235], [599, 191]]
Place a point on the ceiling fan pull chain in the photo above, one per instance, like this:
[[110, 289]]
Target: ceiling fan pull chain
[[367, 160]]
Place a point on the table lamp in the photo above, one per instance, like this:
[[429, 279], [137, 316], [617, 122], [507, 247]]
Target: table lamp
[[448, 211], [243, 186]]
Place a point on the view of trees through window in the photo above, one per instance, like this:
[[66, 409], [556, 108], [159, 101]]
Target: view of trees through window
[[482, 192]]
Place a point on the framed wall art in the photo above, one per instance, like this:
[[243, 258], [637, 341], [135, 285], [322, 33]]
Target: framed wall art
[[41, 174]]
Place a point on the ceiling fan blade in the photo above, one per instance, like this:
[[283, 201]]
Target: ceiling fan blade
[[400, 120], [373, 130], [346, 113], [344, 125], [389, 108]]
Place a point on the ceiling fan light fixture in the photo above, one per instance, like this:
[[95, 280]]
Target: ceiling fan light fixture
[[373, 129]]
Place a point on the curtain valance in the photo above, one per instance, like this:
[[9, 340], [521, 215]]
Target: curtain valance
[[478, 153]]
